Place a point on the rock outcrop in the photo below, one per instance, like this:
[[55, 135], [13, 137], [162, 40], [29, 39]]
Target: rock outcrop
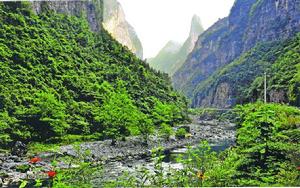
[[115, 23], [93, 10], [108, 13], [250, 23], [170, 61]]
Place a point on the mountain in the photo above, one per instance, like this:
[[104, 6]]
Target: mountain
[[215, 73], [169, 62], [64, 75], [92, 10], [115, 23], [166, 57], [109, 14]]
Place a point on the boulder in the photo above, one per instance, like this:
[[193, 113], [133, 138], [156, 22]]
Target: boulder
[[19, 149]]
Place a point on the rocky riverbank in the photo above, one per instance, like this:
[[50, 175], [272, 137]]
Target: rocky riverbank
[[124, 152]]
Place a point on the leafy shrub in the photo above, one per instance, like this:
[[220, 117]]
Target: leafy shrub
[[165, 131], [180, 133]]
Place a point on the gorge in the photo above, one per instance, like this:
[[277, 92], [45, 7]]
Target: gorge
[[79, 107]]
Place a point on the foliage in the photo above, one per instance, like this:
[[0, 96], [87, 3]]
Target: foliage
[[23, 168], [164, 113], [279, 59], [165, 131], [81, 176], [265, 142], [180, 133], [118, 114], [266, 154], [255, 6], [58, 78]]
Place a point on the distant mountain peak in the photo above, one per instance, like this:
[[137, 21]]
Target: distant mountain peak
[[196, 25], [173, 54]]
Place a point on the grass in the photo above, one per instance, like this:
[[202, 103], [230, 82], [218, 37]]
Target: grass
[[56, 143]]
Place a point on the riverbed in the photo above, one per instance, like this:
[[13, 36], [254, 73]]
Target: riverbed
[[131, 154]]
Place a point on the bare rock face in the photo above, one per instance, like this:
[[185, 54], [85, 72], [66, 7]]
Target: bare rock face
[[278, 96], [108, 13], [115, 23], [92, 9], [250, 22]]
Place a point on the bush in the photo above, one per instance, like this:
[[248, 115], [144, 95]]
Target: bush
[[165, 131], [180, 133]]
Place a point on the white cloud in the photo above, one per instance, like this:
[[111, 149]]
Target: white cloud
[[158, 21]]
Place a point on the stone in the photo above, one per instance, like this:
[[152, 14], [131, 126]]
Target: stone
[[19, 149]]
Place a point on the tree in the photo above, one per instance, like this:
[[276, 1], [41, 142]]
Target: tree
[[266, 140], [145, 127], [46, 116], [6, 127], [165, 113], [118, 114]]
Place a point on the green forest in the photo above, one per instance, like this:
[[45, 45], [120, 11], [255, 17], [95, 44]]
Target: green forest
[[62, 84], [58, 78]]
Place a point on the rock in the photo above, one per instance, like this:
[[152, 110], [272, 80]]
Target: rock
[[92, 9], [172, 138], [115, 23], [250, 23], [19, 149]]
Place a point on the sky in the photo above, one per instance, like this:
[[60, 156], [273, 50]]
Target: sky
[[159, 21]]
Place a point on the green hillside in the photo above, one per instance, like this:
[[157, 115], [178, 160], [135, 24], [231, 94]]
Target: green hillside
[[59, 78]]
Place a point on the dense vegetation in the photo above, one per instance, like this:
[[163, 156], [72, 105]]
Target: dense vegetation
[[58, 78], [266, 154], [281, 62]]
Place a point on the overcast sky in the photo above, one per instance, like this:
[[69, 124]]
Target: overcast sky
[[158, 21]]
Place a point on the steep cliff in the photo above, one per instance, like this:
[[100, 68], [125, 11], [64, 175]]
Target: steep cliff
[[171, 62], [250, 23], [108, 13], [93, 10], [115, 23]]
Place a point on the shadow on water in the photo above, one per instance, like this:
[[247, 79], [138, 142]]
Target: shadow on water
[[172, 155]]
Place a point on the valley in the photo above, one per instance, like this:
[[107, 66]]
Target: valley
[[126, 156], [81, 105]]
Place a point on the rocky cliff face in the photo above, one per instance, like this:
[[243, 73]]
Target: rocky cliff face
[[249, 23], [93, 10], [108, 13], [171, 62], [115, 23]]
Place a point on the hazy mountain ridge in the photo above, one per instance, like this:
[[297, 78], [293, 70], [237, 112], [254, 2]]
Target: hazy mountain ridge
[[249, 23], [166, 56], [170, 62]]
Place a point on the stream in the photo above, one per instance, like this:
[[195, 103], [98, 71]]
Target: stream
[[129, 155]]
